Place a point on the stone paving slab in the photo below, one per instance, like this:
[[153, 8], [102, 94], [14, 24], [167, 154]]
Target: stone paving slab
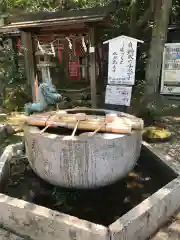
[[6, 235], [169, 232], [170, 151], [171, 154]]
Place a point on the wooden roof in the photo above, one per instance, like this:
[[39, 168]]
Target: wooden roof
[[62, 18], [10, 31]]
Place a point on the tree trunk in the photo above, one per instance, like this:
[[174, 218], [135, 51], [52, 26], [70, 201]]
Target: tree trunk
[[63, 4], [159, 35], [147, 16], [133, 17]]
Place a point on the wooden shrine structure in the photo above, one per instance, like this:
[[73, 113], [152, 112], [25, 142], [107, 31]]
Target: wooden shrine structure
[[64, 47]]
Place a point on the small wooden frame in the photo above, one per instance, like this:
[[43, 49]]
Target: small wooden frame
[[79, 23]]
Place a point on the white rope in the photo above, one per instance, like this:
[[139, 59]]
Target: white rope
[[84, 44], [69, 41], [40, 48], [53, 50]]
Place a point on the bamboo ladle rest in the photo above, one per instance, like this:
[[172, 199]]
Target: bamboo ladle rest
[[108, 119], [110, 123]]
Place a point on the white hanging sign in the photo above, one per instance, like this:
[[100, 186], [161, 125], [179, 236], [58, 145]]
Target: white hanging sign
[[122, 61], [118, 95]]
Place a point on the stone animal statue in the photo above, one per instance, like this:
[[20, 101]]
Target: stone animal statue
[[47, 95]]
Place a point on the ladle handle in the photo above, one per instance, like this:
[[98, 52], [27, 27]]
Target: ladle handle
[[75, 128], [44, 129], [97, 130]]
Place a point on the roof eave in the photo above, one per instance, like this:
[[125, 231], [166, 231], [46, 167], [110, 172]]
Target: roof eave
[[60, 22]]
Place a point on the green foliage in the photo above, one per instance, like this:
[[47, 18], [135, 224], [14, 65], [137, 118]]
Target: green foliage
[[8, 68], [47, 5], [14, 91], [16, 97], [31, 6]]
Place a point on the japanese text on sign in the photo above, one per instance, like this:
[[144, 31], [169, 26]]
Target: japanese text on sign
[[115, 61], [122, 61], [118, 95], [171, 64], [172, 57]]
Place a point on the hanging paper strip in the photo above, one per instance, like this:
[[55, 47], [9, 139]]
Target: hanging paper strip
[[60, 55], [74, 69], [74, 64], [19, 46]]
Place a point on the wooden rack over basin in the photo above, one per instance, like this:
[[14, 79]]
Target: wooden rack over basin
[[124, 124]]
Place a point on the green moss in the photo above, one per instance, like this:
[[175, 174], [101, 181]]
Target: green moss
[[156, 132]]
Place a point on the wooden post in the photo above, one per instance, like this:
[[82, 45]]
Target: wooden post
[[29, 62], [93, 69], [88, 64]]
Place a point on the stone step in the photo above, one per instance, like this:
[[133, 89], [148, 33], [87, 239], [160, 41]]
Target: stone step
[[7, 235], [170, 231]]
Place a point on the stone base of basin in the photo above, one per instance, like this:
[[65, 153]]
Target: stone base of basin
[[39, 223]]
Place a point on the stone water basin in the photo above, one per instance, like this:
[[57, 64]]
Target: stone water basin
[[82, 161]]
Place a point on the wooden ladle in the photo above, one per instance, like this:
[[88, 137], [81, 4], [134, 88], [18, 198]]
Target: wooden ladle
[[53, 117], [108, 119], [79, 117]]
